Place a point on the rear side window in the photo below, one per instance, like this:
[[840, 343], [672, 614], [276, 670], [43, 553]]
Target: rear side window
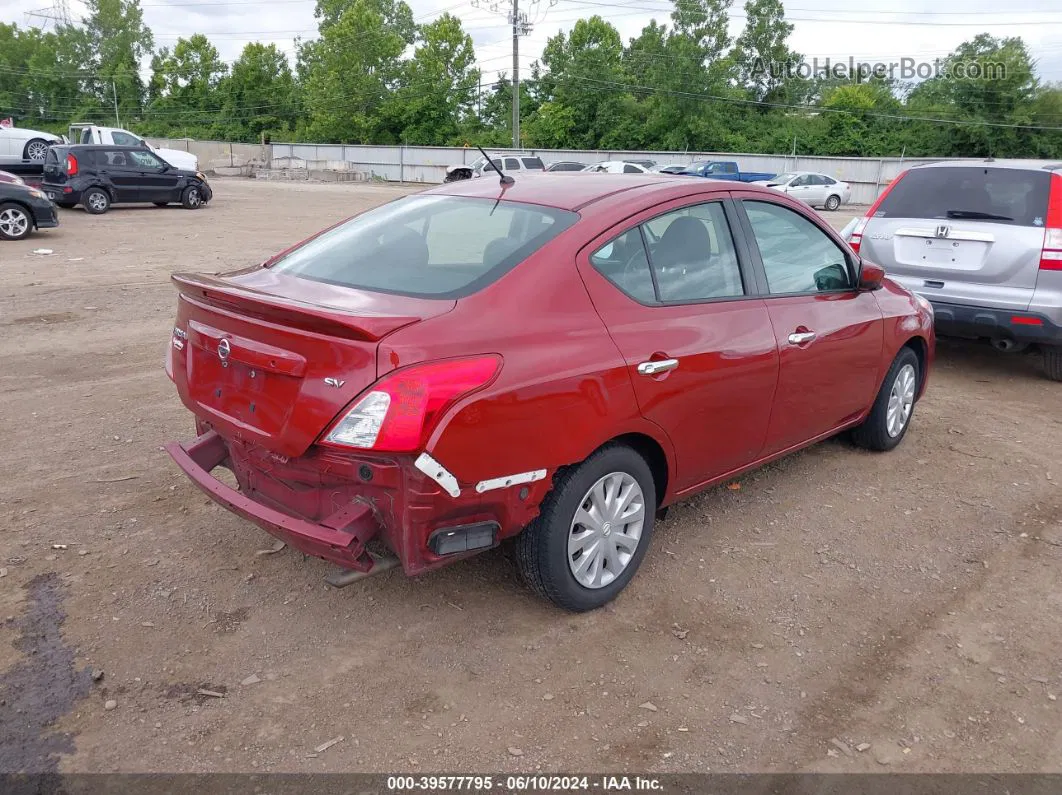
[[533, 163], [428, 246], [974, 193]]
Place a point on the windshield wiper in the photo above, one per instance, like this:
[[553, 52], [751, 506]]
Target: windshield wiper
[[976, 215]]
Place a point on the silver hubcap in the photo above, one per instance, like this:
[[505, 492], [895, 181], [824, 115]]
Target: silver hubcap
[[606, 530], [901, 400], [97, 201], [193, 197], [37, 151], [14, 222]]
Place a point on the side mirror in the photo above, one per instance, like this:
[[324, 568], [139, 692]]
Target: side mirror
[[871, 276]]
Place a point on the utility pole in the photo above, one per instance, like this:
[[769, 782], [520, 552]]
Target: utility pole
[[516, 74], [58, 12], [114, 89]]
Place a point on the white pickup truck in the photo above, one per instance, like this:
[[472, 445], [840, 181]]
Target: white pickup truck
[[114, 136]]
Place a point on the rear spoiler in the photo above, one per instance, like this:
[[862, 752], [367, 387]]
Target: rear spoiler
[[237, 301]]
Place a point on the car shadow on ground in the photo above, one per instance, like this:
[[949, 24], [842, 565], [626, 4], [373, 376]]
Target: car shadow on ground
[[971, 355]]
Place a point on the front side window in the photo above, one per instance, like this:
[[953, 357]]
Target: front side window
[[797, 256], [428, 246], [145, 160], [690, 257], [533, 163], [631, 169], [125, 139], [512, 164]]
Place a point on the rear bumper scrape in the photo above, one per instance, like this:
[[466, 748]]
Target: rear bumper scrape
[[341, 538]]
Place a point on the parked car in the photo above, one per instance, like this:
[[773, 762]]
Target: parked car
[[98, 176], [23, 209], [115, 136], [554, 360], [671, 168], [19, 145], [724, 169], [509, 163], [11, 179], [982, 240], [617, 167], [566, 165], [818, 190]]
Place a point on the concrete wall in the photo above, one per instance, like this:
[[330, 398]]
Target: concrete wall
[[214, 154], [867, 176]]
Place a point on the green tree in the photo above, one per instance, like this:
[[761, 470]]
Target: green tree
[[187, 78], [439, 84], [118, 42], [259, 94], [762, 55]]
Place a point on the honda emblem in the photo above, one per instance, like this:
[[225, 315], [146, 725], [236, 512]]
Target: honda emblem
[[943, 230]]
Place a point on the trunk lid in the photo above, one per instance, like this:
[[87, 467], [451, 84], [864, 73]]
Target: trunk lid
[[273, 359], [55, 166], [964, 234]]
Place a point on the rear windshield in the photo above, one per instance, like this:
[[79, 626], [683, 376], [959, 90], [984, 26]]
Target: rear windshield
[[428, 246], [996, 195]]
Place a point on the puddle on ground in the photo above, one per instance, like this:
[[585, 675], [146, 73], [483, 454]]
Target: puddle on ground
[[42, 687]]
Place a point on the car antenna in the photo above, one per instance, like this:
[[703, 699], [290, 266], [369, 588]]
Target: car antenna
[[505, 179]]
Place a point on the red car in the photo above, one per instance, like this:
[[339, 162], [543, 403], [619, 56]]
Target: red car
[[557, 359]]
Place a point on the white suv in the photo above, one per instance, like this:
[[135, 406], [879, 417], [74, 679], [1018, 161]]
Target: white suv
[[509, 163]]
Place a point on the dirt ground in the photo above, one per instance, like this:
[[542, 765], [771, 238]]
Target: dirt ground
[[841, 611]]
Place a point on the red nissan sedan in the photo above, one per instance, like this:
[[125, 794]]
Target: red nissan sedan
[[555, 360]]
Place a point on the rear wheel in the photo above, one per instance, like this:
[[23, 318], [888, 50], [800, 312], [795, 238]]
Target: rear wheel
[[1053, 363], [96, 201], [192, 198], [15, 221], [885, 426], [833, 202], [592, 532]]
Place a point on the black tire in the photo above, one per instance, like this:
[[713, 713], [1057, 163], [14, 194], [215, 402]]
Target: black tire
[[96, 201], [542, 548], [833, 202], [874, 434], [66, 205], [35, 150], [1053, 362], [160, 204], [192, 198], [16, 222]]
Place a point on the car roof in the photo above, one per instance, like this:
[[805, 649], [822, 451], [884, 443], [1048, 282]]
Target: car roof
[[574, 191], [988, 162], [92, 147]]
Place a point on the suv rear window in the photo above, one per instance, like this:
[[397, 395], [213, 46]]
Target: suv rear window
[[975, 193], [428, 246]]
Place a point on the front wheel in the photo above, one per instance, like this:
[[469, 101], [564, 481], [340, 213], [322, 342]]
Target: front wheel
[[592, 532], [1053, 363], [833, 202], [889, 418], [15, 221], [192, 198]]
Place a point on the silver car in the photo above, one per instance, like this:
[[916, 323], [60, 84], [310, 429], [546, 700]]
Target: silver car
[[19, 145], [810, 187], [982, 241]]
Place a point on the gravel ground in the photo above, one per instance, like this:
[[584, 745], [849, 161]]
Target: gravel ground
[[840, 611]]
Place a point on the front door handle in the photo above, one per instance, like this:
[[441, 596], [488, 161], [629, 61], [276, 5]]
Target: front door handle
[[800, 337], [657, 367]]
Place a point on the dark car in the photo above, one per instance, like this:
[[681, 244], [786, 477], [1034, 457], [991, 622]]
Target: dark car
[[369, 389], [23, 209], [566, 165], [98, 176]]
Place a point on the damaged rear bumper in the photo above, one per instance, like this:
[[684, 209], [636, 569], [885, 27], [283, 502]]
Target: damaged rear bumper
[[340, 538]]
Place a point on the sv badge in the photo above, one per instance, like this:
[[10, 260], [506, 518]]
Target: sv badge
[[334, 382]]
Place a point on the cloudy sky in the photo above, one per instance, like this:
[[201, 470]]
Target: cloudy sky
[[880, 30]]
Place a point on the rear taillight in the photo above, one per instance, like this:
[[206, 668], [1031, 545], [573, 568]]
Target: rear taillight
[[71, 165], [1051, 256], [857, 234], [401, 409]]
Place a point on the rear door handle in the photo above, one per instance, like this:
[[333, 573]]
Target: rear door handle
[[657, 367], [800, 337]]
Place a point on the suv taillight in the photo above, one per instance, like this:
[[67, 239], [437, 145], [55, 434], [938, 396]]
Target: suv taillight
[[71, 166], [1051, 256], [402, 408], [856, 238]]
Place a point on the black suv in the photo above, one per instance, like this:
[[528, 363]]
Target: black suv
[[99, 176]]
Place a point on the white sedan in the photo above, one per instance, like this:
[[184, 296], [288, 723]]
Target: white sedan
[[19, 145], [818, 190], [617, 167]]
